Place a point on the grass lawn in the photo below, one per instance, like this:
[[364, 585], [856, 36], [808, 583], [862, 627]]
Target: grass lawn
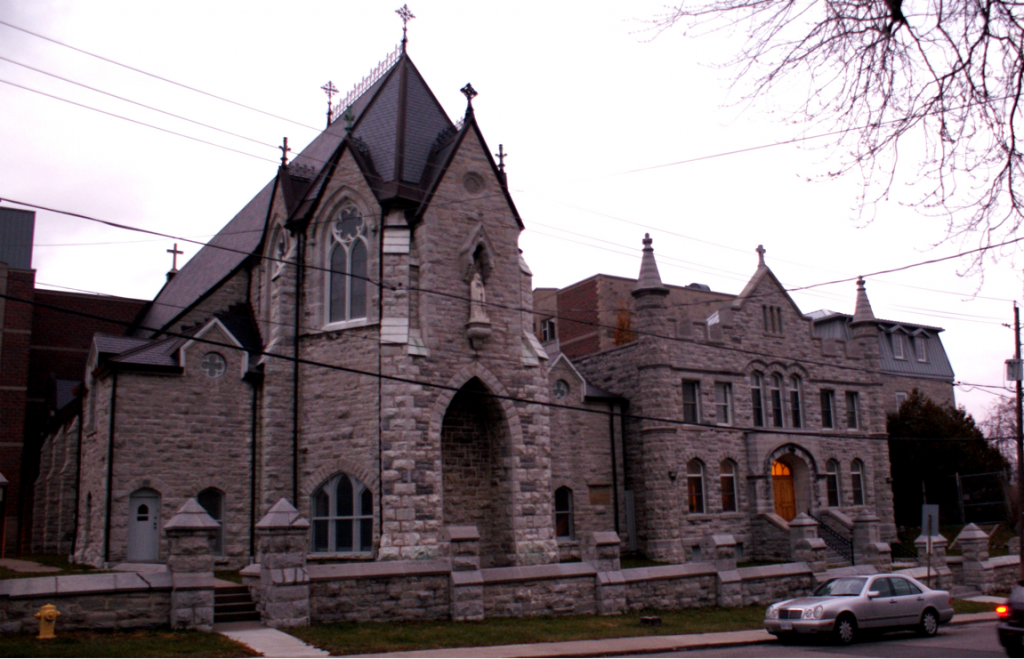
[[50, 560], [157, 643], [964, 606], [374, 638]]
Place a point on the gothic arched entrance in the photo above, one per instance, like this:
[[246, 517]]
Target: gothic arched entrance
[[477, 471], [792, 472], [785, 493]]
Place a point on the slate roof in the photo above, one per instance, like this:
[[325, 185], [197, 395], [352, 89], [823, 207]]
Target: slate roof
[[395, 137]]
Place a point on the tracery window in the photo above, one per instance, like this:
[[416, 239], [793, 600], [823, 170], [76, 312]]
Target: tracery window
[[342, 512], [832, 482], [857, 482], [695, 485], [348, 262], [728, 480], [563, 513]]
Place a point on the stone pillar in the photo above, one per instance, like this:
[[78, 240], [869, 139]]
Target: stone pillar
[[721, 549], [191, 533], [601, 549], [805, 544], [974, 545], [467, 584], [867, 548], [283, 541]]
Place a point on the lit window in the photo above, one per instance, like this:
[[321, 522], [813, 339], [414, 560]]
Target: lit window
[[828, 408], [920, 348], [852, 403], [563, 513], [776, 393], [857, 482], [794, 402], [728, 470], [756, 402], [695, 485], [212, 500], [832, 482], [691, 402], [348, 261], [723, 403], [342, 516]]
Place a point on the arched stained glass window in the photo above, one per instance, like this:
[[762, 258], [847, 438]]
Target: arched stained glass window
[[776, 392], [857, 482], [728, 479], [349, 260], [756, 399], [832, 482], [342, 512], [695, 485], [794, 402]]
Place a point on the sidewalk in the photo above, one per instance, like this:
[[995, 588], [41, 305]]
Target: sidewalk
[[628, 646]]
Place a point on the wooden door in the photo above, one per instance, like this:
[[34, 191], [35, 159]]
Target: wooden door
[[785, 493], [143, 530]]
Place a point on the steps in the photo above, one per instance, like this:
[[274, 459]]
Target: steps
[[233, 604]]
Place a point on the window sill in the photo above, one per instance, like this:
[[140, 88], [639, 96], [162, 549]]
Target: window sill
[[355, 556], [568, 542], [345, 325]]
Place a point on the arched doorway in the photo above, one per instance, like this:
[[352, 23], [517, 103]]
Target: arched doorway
[[476, 462], [143, 526], [784, 491], [792, 481]]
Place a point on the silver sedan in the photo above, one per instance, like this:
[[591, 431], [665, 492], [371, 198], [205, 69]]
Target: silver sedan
[[845, 606]]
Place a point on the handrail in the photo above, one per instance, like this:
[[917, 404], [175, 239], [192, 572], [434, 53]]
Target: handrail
[[835, 541]]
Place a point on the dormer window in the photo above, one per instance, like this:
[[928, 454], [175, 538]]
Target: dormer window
[[920, 347], [897, 346], [348, 257]]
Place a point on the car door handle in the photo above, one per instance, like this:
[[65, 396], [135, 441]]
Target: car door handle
[[920, 599]]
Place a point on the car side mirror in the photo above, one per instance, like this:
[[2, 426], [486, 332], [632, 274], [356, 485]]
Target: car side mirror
[[872, 594]]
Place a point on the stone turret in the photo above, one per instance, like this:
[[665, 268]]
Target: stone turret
[[661, 489]]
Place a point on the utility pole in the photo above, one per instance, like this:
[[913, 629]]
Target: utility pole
[[1019, 431]]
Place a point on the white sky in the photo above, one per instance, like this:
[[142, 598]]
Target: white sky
[[578, 93]]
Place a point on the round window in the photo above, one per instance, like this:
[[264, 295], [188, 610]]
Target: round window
[[561, 389], [213, 365]]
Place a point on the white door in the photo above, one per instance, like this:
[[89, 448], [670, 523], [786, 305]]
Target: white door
[[143, 532]]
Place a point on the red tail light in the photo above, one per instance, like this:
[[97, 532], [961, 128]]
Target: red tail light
[[1002, 611]]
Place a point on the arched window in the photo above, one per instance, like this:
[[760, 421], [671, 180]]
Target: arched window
[[832, 482], [728, 470], [794, 402], [857, 482], [212, 500], [342, 516], [756, 400], [348, 261], [695, 485], [776, 392], [563, 513]]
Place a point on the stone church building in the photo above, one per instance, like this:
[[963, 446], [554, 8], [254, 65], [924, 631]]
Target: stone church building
[[362, 340]]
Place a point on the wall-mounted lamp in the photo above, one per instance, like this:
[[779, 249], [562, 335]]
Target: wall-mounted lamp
[[672, 476]]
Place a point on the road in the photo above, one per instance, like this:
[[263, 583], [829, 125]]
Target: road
[[976, 640]]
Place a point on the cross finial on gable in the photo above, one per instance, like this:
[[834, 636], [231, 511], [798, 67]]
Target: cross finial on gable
[[406, 16], [284, 153], [330, 90], [647, 241], [760, 254], [501, 158], [469, 92], [174, 255]]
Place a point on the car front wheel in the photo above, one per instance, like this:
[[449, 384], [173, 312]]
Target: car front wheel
[[929, 623], [845, 631]]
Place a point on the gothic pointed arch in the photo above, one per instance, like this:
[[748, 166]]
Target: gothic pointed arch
[[477, 253], [493, 384]]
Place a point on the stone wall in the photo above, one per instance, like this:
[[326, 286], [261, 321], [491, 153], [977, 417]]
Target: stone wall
[[540, 590], [670, 586], [394, 590]]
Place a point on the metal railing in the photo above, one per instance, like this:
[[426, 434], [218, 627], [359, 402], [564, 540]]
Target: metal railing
[[902, 553], [835, 541]]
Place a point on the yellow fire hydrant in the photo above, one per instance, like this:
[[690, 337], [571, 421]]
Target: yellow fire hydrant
[[47, 620]]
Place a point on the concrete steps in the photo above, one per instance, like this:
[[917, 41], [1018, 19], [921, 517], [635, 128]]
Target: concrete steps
[[233, 604]]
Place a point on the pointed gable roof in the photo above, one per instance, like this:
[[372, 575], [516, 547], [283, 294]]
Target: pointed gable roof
[[763, 272]]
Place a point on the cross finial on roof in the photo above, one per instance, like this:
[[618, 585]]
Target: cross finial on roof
[[469, 92], [647, 241], [174, 252], [501, 157], [406, 16], [330, 90], [284, 152], [760, 255]]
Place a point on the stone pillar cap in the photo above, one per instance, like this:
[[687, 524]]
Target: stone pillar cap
[[866, 516], [283, 515], [191, 517], [605, 538], [803, 519], [721, 539], [972, 532]]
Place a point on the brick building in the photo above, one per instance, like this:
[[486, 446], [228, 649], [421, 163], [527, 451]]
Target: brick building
[[45, 337], [361, 341]]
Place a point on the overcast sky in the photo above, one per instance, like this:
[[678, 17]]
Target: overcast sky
[[581, 95]]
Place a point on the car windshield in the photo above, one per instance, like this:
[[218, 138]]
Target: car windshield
[[851, 587]]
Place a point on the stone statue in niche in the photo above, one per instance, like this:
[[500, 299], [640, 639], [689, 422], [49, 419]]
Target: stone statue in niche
[[477, 300], [478, 329]]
